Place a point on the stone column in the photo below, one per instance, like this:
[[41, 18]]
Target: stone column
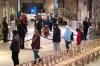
[[96, 13], [49, 6], [60, 3], [7, 8], [1, 11], [18, 6], [1, 15], [82, 9]]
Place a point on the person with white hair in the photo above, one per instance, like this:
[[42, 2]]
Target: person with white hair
[[67, 36]]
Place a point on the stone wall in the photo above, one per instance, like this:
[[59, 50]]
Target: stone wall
[[96, 13], [49, 6], [1, 11], [5, 6], [60, 4], [1, 14], [70, 5], [82, 9]]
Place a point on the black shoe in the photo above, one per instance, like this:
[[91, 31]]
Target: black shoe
[[85, 39], [22, 47], [40, 60], [35, 62], [5, 41]]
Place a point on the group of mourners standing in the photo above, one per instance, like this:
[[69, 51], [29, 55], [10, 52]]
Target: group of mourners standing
[[22, 29], [44, 26], [82, 33], [68, 37], [18, 38], [19, 35]]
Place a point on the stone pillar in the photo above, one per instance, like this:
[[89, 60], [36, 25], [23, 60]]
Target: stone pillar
[[49, 6], [82, 9], [1, 15], [1, 11], [60, 3], [96, 13], [18, 5], [7, 8]]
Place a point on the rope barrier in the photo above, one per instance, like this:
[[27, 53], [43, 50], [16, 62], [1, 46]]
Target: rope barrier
[[41, 36], [61, 37], [91, 32], [48, 38], [88, 33]]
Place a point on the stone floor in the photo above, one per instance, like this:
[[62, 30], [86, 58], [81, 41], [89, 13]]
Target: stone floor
[[27, 54]]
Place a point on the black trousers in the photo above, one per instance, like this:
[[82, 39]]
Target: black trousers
[[50, 26], [39, 32], [5, 38], [22, 38], [85, 33], [39, 29], [15, 57], [67, 44], [26, 28]]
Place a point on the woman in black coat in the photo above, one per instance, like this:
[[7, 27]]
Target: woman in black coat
[[21, 31], [5, 30]]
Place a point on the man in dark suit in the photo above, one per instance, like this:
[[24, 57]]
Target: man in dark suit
[[21, 31], [85, 29]]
